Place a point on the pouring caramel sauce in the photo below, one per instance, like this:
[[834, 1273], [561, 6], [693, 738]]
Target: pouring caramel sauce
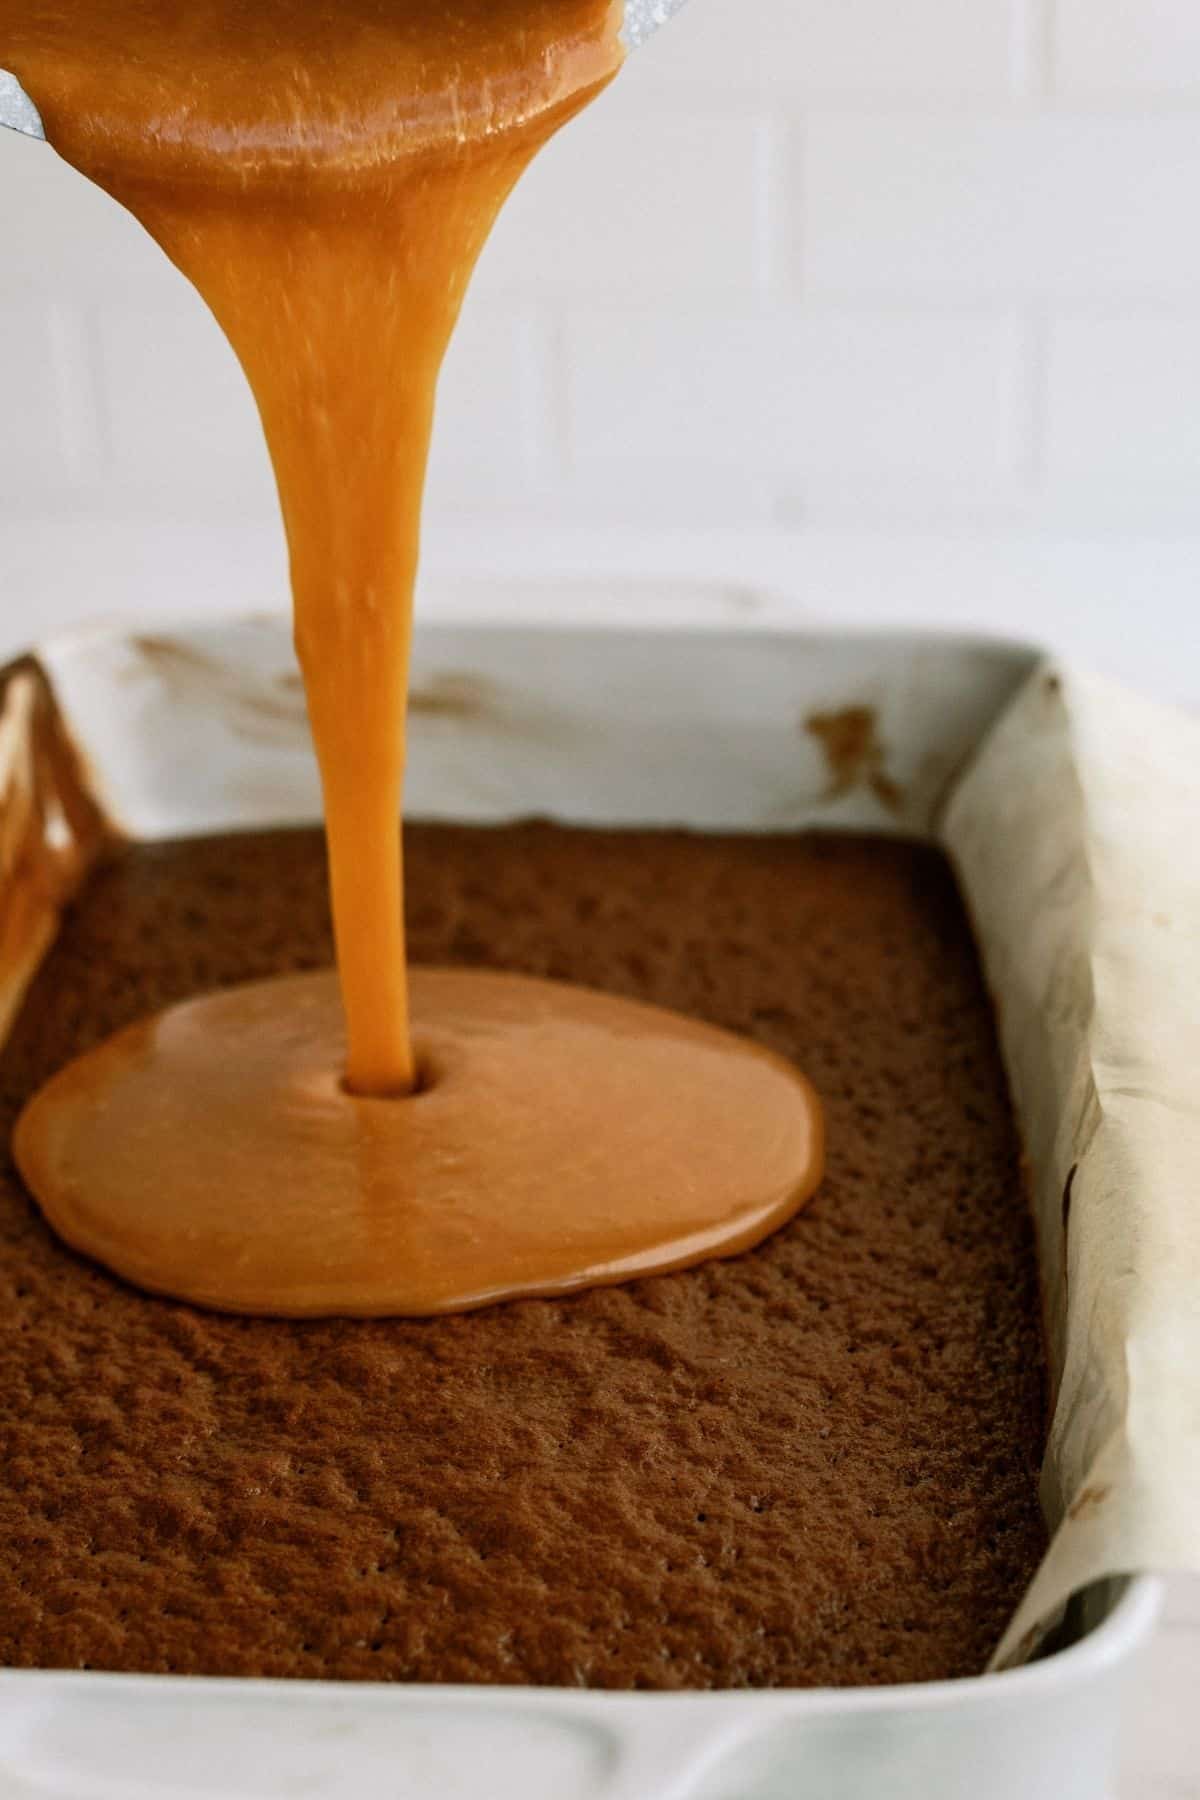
[[327, 175]]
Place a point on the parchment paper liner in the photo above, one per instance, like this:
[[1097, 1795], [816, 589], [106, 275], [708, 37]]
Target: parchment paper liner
[[1076, 833]]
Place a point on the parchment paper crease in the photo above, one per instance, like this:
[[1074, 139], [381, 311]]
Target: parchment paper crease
[[1076, 833]]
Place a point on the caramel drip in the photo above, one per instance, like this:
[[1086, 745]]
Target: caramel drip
[[327, 176]]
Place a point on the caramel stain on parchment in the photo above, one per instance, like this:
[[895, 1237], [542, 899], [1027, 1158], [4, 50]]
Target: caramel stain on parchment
[[1090, 1500], [256, 711], [262, 711], [466, 698], [459, 697], [854, 754]]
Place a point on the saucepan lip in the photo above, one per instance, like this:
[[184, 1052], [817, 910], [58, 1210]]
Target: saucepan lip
[[18, 112]]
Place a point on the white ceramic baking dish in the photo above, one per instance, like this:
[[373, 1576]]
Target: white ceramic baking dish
[[186, 732]]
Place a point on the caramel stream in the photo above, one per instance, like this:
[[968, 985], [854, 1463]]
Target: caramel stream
[[327, 175]]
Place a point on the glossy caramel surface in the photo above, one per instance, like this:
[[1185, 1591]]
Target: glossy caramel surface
[[561, 1138]]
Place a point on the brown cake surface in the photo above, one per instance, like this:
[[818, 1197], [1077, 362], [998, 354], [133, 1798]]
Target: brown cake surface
[[815, 1463]]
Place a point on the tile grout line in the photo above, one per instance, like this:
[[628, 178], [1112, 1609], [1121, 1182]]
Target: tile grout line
[[76, 388], [1036, 328], [1040, 35]]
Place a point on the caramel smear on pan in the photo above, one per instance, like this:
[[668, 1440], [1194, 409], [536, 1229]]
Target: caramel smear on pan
[[327, 175]]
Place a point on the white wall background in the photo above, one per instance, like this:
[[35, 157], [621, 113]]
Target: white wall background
[[890, 305]]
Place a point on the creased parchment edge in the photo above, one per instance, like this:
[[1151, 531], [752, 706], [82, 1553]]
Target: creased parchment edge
[[53, 829], [1076, 835]]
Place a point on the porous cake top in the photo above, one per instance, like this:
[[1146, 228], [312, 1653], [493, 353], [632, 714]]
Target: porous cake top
[[814, 1464]]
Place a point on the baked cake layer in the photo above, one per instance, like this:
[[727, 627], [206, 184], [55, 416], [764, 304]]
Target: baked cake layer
[[814, 1464]]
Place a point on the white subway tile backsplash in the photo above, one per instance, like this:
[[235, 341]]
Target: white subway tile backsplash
[[636, 201], [863, 48], [902, 398], [182, 427], [61, 233], [47, 413], [1123, 405], [494, 411], [1137, 48], [932, 401], [629, 494], [997, 206], [184, 434], [846, 264]]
